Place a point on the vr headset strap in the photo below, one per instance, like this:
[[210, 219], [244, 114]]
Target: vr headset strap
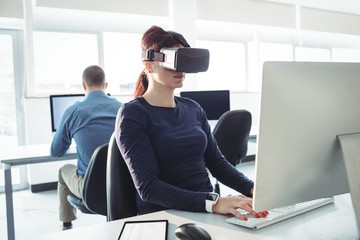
[[179, 38], [150, 55]]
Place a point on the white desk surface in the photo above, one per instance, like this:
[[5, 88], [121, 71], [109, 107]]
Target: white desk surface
[[334, 221], [29, 154]]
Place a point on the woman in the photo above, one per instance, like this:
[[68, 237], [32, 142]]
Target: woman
[[168, 146]]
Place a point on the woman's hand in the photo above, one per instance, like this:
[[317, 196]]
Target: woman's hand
[[229, 205]]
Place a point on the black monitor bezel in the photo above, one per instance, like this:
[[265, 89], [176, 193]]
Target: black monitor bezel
[[197, 95], [51, 97]]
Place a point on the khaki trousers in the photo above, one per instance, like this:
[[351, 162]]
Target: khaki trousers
[[69, 182]]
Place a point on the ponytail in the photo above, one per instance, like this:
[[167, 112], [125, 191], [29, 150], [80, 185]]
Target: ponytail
[[141, 85]]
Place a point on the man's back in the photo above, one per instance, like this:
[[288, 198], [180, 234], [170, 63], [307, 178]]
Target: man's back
[[90, 122]]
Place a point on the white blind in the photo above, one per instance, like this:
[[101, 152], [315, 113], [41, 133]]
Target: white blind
[[140, 7], [248, 11], [11, 9], [329, 21]]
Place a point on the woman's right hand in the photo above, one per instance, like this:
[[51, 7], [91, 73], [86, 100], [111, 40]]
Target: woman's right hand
[[229, 205]]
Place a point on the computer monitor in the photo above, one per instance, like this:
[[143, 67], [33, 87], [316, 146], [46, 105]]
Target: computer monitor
[[58, 104], [214, 103], [304, 106]]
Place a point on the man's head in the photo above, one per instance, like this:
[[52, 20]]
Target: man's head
[[94, 79]]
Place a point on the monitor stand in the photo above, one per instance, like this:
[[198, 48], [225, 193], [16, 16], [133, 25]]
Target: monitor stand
[[350, 145]]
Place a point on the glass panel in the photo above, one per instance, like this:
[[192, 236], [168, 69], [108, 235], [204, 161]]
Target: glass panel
[[312, 54], [274, 52], [227, 67], [254, 69], [8, 128], [345, 55], [122, 61], [60, 59]]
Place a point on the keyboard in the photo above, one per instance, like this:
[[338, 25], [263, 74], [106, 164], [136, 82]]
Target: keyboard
[[279, 214]]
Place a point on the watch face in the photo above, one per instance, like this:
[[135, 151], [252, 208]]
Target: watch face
[[212, 197]]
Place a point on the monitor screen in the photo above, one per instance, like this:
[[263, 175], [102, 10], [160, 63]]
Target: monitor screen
[[303, 107], [214, 103], [58, 104]]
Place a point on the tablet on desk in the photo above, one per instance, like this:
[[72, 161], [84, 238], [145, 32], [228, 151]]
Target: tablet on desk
[[144, 230]]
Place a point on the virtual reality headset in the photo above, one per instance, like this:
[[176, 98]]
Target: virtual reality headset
[[183, 59]]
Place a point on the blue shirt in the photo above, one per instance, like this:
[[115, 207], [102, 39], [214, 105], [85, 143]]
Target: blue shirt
[[90, 123], [168, 152]]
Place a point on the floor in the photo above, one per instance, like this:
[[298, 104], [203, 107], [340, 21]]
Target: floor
[[36, 214]]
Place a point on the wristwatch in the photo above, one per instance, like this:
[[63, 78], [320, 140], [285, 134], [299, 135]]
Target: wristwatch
[[211, 200]]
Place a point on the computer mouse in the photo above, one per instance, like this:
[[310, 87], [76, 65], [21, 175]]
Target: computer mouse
[[191, 231]]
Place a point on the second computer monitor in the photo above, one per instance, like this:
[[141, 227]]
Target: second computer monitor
[[215, 103], [58, 104], [304, 107]]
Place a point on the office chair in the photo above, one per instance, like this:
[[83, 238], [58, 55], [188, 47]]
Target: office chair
[[120, 189], [94, 190], [232, 133]]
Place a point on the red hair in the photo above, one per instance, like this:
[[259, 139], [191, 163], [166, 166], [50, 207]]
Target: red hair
[[155, 38]]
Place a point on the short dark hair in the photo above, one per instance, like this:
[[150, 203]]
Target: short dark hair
[[94, 76]]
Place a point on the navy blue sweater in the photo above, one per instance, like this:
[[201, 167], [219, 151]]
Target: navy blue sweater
[[168, 152]]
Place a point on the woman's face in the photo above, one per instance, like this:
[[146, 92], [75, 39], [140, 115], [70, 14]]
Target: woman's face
[[166, 77]]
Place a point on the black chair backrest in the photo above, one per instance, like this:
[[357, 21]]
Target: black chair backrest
[[232, 133], [94, 190], [121, 192]]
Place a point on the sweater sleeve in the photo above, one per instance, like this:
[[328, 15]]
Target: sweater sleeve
[[222, 169], [136, 148]]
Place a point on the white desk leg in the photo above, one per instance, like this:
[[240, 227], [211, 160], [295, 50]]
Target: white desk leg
[[9, 203]]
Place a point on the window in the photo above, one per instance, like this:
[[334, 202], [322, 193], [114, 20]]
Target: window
[[275, 52], [345, 55], [312, 54], [10, 133], [8, 128], [268, 52], [60, 59], [122, 61], [227, 67]]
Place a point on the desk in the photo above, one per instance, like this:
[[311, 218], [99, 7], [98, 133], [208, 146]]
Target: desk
[[23, 155], [334, 221]]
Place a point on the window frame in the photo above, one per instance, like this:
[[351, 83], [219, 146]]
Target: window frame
[[19, 89]]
